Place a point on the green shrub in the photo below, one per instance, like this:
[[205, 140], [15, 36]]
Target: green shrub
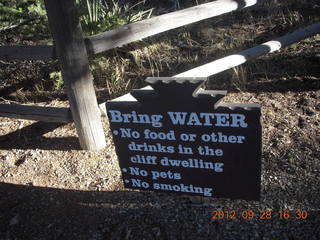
[[98, 16]]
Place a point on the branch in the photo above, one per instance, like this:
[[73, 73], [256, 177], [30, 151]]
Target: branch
[[14, 26]]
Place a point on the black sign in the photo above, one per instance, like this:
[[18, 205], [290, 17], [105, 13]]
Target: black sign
[[179, 138]]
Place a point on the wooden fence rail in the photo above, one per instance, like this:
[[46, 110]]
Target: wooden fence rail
[[149, 27], [46, 114], [234, 60], [237, 59], [43, 53], [133, 32], [72, 50]]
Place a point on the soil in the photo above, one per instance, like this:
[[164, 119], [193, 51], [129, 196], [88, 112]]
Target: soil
[[51, 189]]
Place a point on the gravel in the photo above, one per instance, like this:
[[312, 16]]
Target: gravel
[[50, 189]]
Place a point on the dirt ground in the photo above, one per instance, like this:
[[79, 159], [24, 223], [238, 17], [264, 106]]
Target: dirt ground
[[50, 189]]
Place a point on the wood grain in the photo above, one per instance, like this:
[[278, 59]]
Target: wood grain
[[139, 30], [44, 53], [67, 35], [45, 114]]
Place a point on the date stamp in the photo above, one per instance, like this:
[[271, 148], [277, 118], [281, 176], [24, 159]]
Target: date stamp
[[259, 215]]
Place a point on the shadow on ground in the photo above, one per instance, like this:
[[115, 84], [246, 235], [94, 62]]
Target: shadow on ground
[[31, 137], [29, 212]]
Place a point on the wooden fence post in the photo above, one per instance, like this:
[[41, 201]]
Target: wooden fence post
[[71, 51]]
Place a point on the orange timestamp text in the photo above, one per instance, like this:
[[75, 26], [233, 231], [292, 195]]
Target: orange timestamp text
[[260, 215]]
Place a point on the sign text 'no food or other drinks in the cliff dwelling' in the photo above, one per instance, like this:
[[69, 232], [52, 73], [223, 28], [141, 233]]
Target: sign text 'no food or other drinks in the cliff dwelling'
[[177, 137]]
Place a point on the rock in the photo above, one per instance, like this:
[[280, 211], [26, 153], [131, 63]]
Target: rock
[[14, 220], [301, 122]]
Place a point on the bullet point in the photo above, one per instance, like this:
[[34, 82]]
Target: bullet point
[[124, 170], [115, 132]]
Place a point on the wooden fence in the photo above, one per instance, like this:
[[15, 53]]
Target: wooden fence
[[72, 50]]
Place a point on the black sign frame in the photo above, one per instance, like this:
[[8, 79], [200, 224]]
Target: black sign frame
[[148, 131]]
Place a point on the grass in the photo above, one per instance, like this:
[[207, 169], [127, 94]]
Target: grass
[[56, 77], [239, 78], [98, 15], [123, 69]]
